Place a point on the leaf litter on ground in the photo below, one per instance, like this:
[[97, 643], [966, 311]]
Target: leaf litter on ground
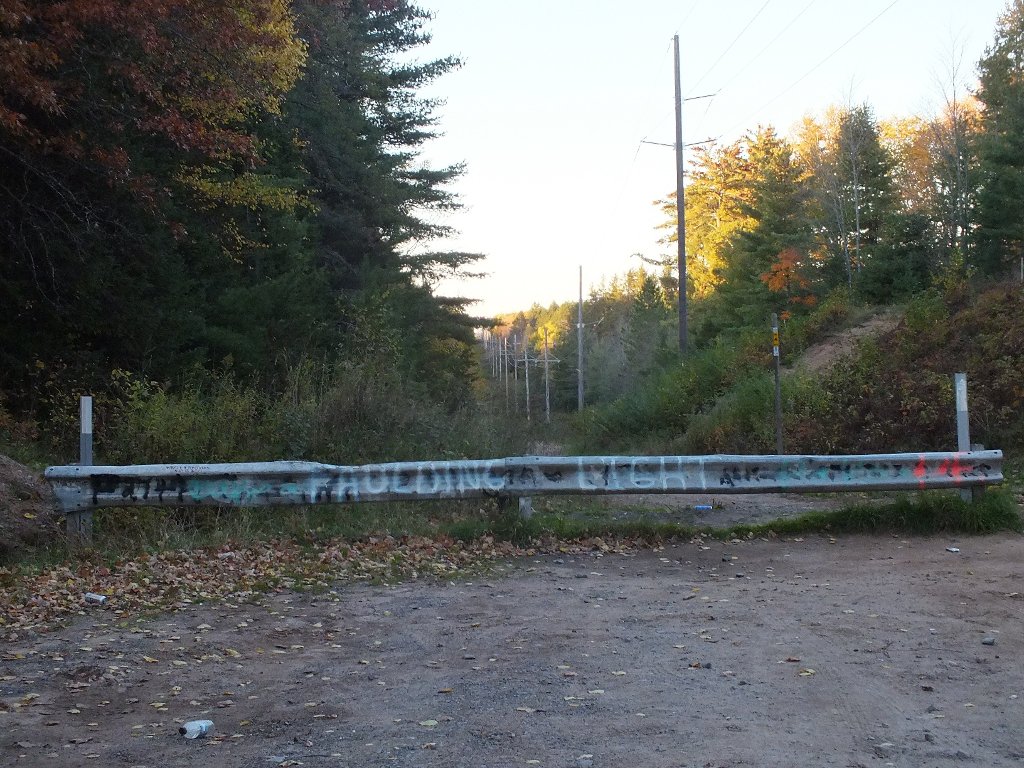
[[40, 600]]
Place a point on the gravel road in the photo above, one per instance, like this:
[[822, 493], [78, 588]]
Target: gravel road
[[856, 651]]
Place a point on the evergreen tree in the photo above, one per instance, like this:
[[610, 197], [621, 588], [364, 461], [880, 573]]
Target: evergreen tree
[[1001, 145], [771, 258], [357, 113], [715, 195]]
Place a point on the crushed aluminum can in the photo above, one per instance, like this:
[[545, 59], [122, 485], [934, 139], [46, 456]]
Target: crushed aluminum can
[[95, 599], [952, 549]]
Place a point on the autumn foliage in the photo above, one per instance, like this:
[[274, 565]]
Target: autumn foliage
[[83, 74], [191, 184], [785, 277]]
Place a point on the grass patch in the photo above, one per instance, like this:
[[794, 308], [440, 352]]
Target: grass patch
[[126, 533], [923, 514], [926, 514]]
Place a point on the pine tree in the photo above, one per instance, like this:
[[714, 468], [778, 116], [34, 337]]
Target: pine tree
[[1001, 145]]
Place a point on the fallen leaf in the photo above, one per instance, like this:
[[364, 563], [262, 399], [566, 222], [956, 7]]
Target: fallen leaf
[[807, 672], [150, 660], [428, 723], [444, 690]]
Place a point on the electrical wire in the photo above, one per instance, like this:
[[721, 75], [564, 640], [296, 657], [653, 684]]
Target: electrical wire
[[632, 163], [770, 43], [752, 59], [812, 70], [689, 13], [730, 46]]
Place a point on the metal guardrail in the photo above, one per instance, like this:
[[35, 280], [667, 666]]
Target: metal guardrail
[[83, 488]]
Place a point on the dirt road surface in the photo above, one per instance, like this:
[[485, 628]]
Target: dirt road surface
[[859, 651]]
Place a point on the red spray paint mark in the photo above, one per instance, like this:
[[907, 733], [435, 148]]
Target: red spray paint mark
[[920, 471], [957, 470]]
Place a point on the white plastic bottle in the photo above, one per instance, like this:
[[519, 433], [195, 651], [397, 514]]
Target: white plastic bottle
[[196, 729]]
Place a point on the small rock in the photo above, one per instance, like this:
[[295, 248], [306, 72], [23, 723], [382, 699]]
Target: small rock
[[885, 749], [988, 641], [741, 575]]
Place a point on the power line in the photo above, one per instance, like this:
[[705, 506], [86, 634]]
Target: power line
[[624, 184], [689, 13], [770, 43], [756, 56], [812, 70], [732, 44]]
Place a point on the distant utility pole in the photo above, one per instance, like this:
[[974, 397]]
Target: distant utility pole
[[515, 371], [579, 347], [547, 385], [504, 367], [526, 371], [680, 204]]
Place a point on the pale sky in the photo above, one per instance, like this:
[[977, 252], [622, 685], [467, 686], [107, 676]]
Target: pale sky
[[555, 96]]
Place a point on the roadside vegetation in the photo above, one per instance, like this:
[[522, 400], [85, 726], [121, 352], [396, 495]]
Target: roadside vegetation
[[238, 284]]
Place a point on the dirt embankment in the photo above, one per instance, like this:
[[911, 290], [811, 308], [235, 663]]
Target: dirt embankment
[[819, 356], [29, 513]]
